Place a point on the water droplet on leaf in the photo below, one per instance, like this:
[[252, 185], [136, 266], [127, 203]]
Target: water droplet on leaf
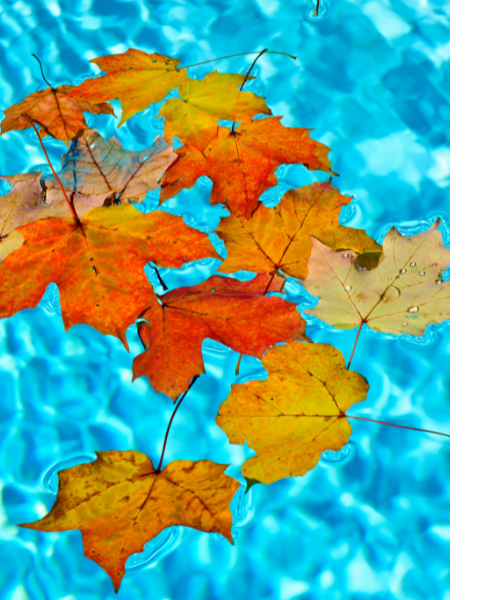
[[347, 288], [422, 273], [413, 309], [403, 271], [405, 324]]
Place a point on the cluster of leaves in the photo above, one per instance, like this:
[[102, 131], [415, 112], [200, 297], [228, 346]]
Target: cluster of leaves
[[80, 230]]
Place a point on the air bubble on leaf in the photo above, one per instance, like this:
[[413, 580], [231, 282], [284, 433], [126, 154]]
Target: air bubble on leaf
[[347, 288], [392, 239], [405, 324], [389, 279], [403, 271], [413, 264], [408, 240], [422, 273], [438, 282], [345, 255], [413, 309]]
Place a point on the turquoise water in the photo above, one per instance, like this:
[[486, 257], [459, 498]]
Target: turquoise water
[[372, 79]]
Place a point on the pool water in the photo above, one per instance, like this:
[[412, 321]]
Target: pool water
[[370, 521]]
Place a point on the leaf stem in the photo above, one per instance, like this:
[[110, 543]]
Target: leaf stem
[[240, 54], [355, 344], [237, 370], [158, 470], [41, 69], [273, 275], [400, 426], [71, 207], [250, 69], [247, 76], [316, 12]]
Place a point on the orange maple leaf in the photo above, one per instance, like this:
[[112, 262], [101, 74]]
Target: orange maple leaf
[[56, 111], [119, 502], [226, 310], [242, 164], [279, 238], [27, 202], [98, 266], [136, 78]]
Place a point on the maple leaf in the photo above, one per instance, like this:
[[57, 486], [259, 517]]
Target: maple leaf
[[135, 78], [193, 118], [119, 502], [96, 165], [297, 413], [403, 294], [27, 202], [56, 111], [232, 312], [98, 266], [279, 238], [242, 164]]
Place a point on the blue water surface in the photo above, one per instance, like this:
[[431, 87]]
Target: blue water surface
[[370, 521]]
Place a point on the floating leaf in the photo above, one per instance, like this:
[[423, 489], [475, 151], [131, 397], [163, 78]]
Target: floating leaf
[[235, 313], [96, 165], [119, 502], [98, 267], [403, 294], [280, 237], [242, 164], [26, 203], [193, 118], [56, 111], [135, 78], [296, 414]]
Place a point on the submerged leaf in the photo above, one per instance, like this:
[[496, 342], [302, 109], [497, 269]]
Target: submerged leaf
[[235, 313], [96, 165], [194, 116], [242, 164], [403, 294], [280, 238], [297, 413], [119, 502], [56, 111], [135, 78], [28, 202], [98, 266]]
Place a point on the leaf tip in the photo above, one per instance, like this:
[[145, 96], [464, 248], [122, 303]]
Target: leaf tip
[[250, 483]]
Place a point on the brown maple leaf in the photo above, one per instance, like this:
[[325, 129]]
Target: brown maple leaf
[[232, 312], [279, 238], [119, 502], [242, 164], [98, 266], [95, 165], [404, 294], [57, 113]]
